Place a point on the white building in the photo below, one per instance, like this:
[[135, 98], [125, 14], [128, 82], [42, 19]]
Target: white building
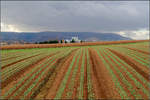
[[67, 40], [73, 38], [76, 39]]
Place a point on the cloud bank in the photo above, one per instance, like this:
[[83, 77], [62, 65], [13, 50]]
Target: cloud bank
[[127, 18]]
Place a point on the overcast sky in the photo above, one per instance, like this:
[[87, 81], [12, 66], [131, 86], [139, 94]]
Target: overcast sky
[[127, 18]]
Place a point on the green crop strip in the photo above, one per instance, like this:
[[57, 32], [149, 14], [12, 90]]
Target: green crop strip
[[133, 70], [134, 56], [63, 84], [6, 73], [12, 89], [114, 78], [12, 69], [45, 66], [71, 84], [25, 78], [130, 87], [37, 80], [136, 52], [28, 75], [89, 81], [4, 63], [138, 84], [81, 88]]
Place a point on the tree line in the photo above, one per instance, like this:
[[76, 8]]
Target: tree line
[[54, 42]]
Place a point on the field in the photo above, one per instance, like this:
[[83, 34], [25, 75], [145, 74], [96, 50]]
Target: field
[[114, 71]]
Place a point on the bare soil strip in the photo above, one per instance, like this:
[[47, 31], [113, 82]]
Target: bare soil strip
[[98, 86], [59, 77], [20, 60], [85, 92], [131, 63], [100, 76], [16, 75]]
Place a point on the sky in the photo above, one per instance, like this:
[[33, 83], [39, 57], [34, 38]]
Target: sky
[[126, 18]]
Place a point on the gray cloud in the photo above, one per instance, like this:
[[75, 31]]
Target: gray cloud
[[76, 16]]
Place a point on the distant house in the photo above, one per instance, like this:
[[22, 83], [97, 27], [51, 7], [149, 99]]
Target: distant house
[[67, 40], [75, 39]]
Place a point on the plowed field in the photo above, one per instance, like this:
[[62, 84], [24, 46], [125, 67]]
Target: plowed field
[[114, 71]]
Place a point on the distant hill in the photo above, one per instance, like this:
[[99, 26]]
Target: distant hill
[[43, 36]]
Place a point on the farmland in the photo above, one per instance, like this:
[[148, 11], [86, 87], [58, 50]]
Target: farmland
[[116, 71]]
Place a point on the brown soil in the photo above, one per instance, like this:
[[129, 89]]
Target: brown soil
[[59, 77], [145, 57], [50, 79], [49, 70], [10, 58], [132, 63], [30, 83], [119, 78], [134, 75], [18, 74], [148, 53], [137, 89], [20, 60], [101, 78], [77, 80], [85, 92], [66, 90], [127, 78], [26, 71]]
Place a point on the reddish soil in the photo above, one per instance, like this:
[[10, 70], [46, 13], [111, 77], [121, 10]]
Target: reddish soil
[[148, 53], [20, 60], [49, 73], [85, 92], [137, 89], [101, 78], [128, 79], [25, 46], [59, 77], [98, 85], [16, 75], [31, 82], [48, 81], [134, 75], [66, 90], [25, 73], [11, 58], [77, 80], [132, 63], [119, 78]]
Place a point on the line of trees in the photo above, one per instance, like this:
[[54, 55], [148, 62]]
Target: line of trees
[[56, 41], [48, 42]]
